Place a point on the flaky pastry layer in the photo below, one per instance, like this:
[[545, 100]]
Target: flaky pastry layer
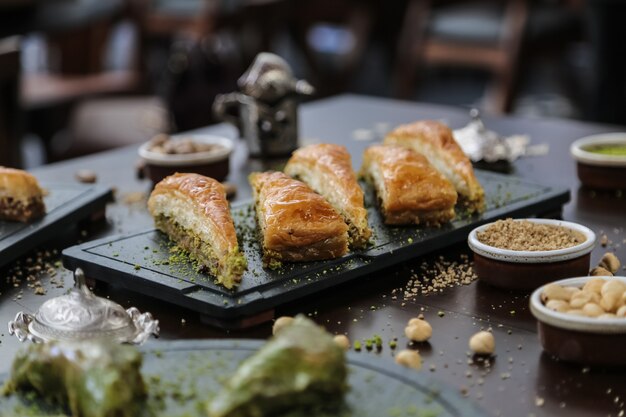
[[327, 169], [297, 224], [410, 190], [21, 197], [436, 142], [193, 211]]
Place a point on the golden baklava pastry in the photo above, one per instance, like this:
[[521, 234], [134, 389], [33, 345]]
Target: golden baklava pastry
[[296, 223], [21, 197], [436, 142], [193, 211], [409, 188], [327, 169]]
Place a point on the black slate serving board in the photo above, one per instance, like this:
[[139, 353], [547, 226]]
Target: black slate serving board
[[183, 376], [66, 204], [139, 262]]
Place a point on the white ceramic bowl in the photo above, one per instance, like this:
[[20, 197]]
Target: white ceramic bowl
[[597, 170], [588, 340], [157, 158], [213, 163], [525, 270]]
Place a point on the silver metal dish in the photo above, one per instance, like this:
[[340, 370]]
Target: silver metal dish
[[81, 315]]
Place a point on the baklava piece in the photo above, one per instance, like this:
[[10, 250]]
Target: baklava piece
[[296, 223], [91, 378], [21, 198], [193, 211], [300, 369], [327, 169], [436, 142], [410, 190]]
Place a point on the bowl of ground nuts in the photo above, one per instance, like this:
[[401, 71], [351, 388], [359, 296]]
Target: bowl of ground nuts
[[583, 319], [207, 155], [523, 254]]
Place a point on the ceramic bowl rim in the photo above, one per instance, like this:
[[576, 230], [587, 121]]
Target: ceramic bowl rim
[[532, 257], [571, 322], [582, 156], [198, 158]]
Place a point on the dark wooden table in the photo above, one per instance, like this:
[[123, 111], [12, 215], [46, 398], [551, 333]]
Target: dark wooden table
[[520, 381]]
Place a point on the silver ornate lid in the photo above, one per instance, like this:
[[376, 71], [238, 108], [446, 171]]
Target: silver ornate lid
[[270, 79], [81, 315]]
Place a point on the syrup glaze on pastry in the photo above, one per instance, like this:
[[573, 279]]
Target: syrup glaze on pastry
[[410, 190], [21, 198], [436, 142], [193, 211], [296, 223], [327, 169]]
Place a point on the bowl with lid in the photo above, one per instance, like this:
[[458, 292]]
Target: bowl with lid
[[583, 319], [196, 153], [81, 315], [523, 254], [601, 160]]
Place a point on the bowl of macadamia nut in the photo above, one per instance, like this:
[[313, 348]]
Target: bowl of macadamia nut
[[523, 254], [207, 155], [583, 319]]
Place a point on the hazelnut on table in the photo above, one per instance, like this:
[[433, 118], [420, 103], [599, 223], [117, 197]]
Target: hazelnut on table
[[418, 330], [610, 262], [482, 343], [409, 358]]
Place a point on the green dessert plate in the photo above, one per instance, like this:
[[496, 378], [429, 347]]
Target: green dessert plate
[[182, 376]]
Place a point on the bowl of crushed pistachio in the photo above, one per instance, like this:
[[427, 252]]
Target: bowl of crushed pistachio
[[583, 319], [207, 155], [601, 160], [523, 254]]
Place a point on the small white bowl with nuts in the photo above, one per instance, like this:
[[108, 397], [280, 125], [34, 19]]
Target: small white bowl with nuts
[[583, 319], [523, 254]]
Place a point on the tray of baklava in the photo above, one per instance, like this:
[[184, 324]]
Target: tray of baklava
[[316, 225], [32, 213]]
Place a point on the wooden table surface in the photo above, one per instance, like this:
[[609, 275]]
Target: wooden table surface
[[520, 381]]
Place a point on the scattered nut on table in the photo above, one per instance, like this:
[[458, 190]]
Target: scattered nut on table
[[342, 341], [482, 343], [599, 271], [610, 262], [281, 323], [86, 176], [409, 358], [418, 330]]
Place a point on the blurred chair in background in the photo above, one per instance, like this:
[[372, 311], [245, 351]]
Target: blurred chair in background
[[207, 44], [481, 34], [607, 30], [75, 92], [10, 113], [333, 36]]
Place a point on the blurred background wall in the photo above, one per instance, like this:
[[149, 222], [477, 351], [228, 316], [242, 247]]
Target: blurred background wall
[[80, 76]]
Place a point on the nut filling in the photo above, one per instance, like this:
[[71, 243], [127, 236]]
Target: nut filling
[[22, 211], [523, 235]]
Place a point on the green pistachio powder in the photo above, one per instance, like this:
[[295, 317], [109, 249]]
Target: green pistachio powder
[[612, 150]]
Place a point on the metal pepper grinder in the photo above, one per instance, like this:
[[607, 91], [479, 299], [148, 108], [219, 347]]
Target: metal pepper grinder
[[265, 110]]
